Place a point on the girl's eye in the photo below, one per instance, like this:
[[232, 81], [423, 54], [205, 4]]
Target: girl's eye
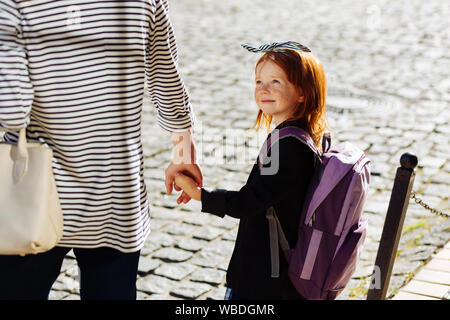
[[275, 81], [258, 82]]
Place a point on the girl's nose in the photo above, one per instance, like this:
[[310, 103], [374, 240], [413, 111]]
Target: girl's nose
[[263, 87]]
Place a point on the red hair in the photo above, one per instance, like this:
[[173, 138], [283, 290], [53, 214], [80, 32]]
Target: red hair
[[305, 72]]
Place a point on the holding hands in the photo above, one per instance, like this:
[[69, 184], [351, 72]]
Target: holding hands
[[183, 162], [188, 185]]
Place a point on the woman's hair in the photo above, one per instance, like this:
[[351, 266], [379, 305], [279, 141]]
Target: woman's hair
[[305, 72]]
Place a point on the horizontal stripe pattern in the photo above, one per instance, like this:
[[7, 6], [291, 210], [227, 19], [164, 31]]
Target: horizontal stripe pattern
[[74, 72]]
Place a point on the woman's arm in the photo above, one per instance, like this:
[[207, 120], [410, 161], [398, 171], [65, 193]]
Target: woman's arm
[[16, 90], [166, 87], [170, 97]]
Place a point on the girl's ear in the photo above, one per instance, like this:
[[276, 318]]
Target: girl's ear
[[301, 97]]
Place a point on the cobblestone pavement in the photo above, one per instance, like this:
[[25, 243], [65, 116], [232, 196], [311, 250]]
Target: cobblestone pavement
[[387, 65]]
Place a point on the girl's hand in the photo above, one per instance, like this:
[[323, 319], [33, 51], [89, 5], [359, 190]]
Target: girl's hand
[[189, 186]]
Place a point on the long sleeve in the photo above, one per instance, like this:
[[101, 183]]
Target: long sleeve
[[16, 90], [166, 88], [263, 191]]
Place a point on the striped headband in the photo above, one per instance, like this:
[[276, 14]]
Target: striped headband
[[276, 46]]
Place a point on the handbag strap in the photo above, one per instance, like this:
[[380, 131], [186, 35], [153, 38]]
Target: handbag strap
[[19, 155]]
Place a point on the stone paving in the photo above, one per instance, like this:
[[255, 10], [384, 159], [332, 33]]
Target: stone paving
[[432, 282], [387, 64]]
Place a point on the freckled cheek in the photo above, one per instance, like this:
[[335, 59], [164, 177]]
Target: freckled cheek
[[257, 93]]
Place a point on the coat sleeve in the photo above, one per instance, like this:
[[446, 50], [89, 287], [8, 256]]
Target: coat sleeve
[[262, 191], [16, 90], [166, 88]]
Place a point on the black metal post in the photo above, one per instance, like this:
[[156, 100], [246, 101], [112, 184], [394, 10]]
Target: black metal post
[[392, 229]]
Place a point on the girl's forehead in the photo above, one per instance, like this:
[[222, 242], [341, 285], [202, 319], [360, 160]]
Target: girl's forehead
[[268, 67]]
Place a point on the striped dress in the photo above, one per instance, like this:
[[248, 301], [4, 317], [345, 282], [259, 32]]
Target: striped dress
[[74, 73]]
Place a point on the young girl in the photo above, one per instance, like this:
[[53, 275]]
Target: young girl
[[290, 90]]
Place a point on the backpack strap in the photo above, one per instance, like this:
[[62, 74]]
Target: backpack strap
[[326, 141], [276, 236], [276, 233], [285, 132]]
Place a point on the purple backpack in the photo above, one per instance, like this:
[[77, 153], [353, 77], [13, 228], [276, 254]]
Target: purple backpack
[[331, 231]]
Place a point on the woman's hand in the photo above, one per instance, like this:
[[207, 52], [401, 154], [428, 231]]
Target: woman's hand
[[192, 170], [189, 186], [183, 161]]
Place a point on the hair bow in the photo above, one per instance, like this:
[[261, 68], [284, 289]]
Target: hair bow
[[275, 46]]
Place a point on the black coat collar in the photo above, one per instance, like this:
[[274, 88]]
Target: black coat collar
[[301, 123]]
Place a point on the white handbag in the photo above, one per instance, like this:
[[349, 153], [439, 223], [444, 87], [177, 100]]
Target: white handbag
[[31, 220]]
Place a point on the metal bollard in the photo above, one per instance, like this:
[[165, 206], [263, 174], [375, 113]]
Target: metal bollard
[[392, 229]]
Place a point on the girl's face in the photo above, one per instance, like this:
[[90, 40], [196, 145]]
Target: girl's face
[[274, 94]]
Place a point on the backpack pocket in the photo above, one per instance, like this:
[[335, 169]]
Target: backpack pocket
[[310, 261], [345, 260]]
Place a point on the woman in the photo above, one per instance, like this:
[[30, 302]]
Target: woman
[[73, 73]]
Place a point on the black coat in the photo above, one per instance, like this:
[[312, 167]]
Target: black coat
[[249, 271]]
